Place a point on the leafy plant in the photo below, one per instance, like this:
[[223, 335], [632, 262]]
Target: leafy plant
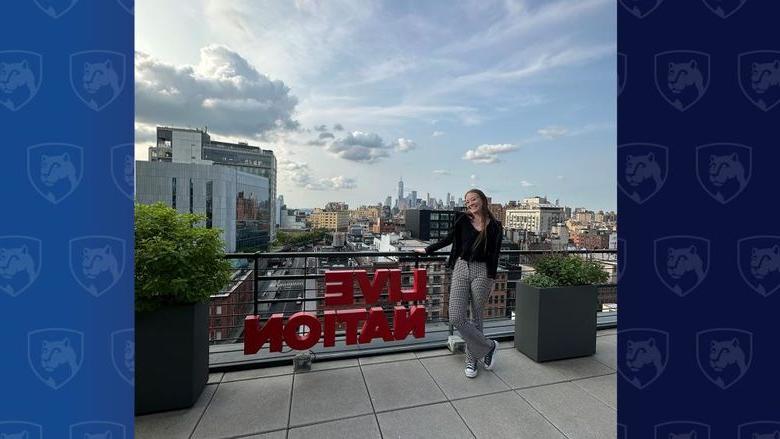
[[558, 270], [176, 262]]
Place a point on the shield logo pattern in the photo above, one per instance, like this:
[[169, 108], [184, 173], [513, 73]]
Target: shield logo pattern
[[642, 170], [123, 354], [97, 262], [21, 72], [724, 8], [681, 262], [55, 170], [641, 8], [724, 169], [682, 77], [97, 430], [55, 8], [724, 355], [55, 355], [759, 430], [21, 430], [643, 354], [682, 430], [97, 77], [758, 77], [759, 263], [123, 168], [20, 263]]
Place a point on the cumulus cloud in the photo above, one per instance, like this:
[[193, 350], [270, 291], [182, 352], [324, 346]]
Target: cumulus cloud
[[366, 147], [223, 91], [552, 132], [441, 172], [438, 133], [488, 153], [321, 128], [300, 174], [525, 183], [359, 147], [404, 145], [326, 136], [338, 127]]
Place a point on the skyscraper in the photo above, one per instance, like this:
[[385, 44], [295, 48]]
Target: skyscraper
[[400, 192]]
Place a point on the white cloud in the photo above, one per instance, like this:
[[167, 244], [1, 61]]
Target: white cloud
[[437, 133], [359, 147], [525, 183], [441, 172], [488, 153], [552, 132], [223, 91], [300, 174], [404, 145]]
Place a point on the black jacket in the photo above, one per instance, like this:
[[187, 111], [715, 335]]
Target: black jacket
[[494, 236]]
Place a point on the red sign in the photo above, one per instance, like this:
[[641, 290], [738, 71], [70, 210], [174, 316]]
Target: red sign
[[339, 292]]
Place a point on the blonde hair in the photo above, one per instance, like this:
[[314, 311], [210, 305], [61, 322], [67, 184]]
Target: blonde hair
[[485, 213]]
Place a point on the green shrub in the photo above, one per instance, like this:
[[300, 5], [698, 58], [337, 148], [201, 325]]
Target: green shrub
[[176, 262], [559, 270]]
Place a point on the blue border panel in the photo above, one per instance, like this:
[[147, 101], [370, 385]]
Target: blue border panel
[[66, 232], [698, 118]]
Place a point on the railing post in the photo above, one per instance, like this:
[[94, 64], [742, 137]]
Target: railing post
[[256, 281]]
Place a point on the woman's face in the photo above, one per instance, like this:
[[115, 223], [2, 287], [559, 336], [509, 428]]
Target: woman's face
[[473, 203]]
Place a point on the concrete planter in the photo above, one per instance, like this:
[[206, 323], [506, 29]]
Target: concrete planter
[[556, 323], [172, 357]]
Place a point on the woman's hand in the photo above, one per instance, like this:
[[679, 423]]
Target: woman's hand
[[419, 250]]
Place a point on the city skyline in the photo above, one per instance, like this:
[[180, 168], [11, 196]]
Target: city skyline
[[514, 98]]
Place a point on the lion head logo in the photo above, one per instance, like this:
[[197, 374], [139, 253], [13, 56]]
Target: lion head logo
[[764, 261], [14, 261], [18, 80], [725, 168], [681, 261], [642, 168], [724, 355], [683, 75], [100, 75], [764, 76], [55, 355], [97, 261], [97, 76]]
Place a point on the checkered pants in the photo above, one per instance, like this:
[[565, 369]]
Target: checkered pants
[[470, 286]]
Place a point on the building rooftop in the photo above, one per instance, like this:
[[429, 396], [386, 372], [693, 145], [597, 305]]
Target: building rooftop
[[421, 394]]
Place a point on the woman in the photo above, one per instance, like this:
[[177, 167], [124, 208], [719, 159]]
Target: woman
[[476, 242]]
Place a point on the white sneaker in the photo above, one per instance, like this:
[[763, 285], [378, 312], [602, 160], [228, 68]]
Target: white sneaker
[[490, 358], [471, 369]]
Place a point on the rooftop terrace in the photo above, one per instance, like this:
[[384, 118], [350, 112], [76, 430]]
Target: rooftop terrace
[[421, 394]]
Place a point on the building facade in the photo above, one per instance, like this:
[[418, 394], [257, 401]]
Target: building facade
[[182, 145], [429, 224], [232, 201], [335, 220]]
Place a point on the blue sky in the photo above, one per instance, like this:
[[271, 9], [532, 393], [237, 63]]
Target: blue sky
[[514, 97]]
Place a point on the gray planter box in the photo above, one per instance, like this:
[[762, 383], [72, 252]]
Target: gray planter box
[[172, 357], [556, 323]]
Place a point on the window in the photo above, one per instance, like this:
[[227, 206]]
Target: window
[[192, 189], [173, 192], [209, 203], [218, 335], [219, 310]]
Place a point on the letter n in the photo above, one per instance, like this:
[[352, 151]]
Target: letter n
[[255, 337], [413, 321]]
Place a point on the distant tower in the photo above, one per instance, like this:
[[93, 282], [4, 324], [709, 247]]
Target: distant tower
[[400, 191]]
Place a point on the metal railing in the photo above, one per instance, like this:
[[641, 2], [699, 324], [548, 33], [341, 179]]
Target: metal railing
[[288, 282]]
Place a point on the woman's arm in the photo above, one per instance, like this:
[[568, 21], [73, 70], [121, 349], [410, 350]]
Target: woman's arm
[[447, 239], [492, 263]]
